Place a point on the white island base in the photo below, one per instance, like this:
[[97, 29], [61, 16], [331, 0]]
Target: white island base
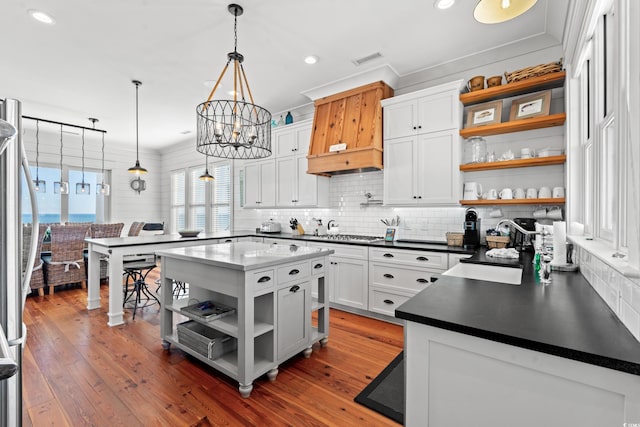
[[453, 379], [271, 291]]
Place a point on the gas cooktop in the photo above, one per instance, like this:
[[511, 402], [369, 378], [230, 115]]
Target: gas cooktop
[[352, 238]]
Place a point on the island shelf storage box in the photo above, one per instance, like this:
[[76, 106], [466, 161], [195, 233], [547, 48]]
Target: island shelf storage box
[[206, 341]]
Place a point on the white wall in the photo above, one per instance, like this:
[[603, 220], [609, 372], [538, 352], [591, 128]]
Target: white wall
[[126, 205]]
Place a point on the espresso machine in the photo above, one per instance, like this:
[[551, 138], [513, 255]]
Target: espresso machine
[[471, 239]]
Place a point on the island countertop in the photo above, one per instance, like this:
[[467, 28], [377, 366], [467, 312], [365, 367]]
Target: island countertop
[[566, 318], [244, 255]]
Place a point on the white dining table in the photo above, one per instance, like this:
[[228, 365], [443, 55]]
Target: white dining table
[[116, 248]]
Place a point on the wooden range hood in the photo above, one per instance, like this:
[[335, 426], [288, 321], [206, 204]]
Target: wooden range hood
[[353, 118]]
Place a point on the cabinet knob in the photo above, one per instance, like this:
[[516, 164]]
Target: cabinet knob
[[388, 255], [419, 127], [294, 271], [228, 241], [388, 301], [347, 162], [419, 197], [388, 276], [264, 279], [415, 197], [433, 279], [414, 128], [421, 280], [294, 288], [421, 258], [317, 266]]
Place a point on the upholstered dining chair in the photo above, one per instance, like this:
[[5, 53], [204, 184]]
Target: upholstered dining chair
[[66, 264], [37, 277], [103, 231]]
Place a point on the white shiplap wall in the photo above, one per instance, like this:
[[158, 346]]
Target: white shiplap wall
[[126, 205]]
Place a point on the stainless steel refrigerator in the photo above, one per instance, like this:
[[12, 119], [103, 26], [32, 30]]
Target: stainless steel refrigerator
[[15, 272]]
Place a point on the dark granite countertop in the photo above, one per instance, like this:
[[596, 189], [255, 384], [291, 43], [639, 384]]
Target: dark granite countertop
[[566, 318], [398, 244]]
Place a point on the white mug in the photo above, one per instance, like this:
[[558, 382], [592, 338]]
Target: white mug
[[526, 153], [518, 193], [540, 213], [472, 191], [544, 193], [506, 193], [492, 194], [554, 213], [532, 193], [558, 192]]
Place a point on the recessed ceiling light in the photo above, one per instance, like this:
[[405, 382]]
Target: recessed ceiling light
[[311, 59], [443, 4], [42, 17]]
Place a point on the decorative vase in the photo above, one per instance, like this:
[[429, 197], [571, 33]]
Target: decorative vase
[[281, 121], [289, 118]]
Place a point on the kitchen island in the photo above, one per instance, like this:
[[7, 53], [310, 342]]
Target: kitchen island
[[274, 290], [484, 353]]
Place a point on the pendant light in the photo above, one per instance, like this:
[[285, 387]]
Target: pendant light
[[83, 188], [61, 187], [206, 176], [497, 11], [233, 129], [39, 185], [102, 188], [137, 169]]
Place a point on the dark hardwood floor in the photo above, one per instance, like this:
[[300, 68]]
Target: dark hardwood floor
[[77, 371]]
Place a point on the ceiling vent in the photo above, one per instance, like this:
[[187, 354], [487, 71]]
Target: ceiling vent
[[360, 61]]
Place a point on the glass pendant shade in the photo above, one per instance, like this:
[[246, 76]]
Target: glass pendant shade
[[83, 188], [40, 185], [497, 11], [61, 187], [233, 128], [104, 189]]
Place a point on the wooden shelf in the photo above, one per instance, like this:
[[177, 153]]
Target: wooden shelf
[[515, 126], [534, 84], [516, 163], [550, 201]]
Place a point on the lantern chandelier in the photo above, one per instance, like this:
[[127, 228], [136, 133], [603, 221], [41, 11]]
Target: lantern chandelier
[[233, 129]]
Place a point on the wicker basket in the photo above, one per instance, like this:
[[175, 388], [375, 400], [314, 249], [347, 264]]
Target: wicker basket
[[454, 238], [535, 71], [497, 241]]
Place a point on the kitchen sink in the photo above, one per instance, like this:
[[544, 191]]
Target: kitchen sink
[[489, 273]]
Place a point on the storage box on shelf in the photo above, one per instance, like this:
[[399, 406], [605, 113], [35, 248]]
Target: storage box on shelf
[[534, 84]]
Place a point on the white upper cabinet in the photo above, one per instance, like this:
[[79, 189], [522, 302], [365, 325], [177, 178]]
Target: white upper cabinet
[[260, 184], [291, 140], [429, 110], [422, 147]]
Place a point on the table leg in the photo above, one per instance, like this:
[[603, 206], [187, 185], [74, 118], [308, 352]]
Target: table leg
[[116, 314], [93, 285], [245, 390]]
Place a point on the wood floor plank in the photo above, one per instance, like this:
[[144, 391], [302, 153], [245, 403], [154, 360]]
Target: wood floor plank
[[79, 371]]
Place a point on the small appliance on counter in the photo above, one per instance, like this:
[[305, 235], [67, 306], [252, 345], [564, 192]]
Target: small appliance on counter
[[270, 227], [471, 237]]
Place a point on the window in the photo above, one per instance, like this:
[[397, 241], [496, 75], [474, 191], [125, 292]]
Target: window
[[201, 205], [56, 208]]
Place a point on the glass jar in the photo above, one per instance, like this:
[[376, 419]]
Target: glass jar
[[478, 147]]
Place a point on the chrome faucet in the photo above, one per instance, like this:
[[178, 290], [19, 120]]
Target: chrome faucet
[[516, 226], [330, 224]]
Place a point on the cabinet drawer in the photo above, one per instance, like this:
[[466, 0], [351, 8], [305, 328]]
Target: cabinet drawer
[[386, 301], [427, 259], [402, 278], [264, 279], [290, 272], [344, 251], [317, 266]]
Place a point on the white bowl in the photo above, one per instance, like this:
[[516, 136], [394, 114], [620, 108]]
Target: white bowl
[[189, 233]]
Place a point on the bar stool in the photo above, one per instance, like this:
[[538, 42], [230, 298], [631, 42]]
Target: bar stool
[[135, 285]]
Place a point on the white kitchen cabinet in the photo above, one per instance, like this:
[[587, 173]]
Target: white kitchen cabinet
[[293, 319], [348, 274], [422, 148], [291, 140], [429, 110], [260, 184], [297, 188], [289, 242], [423, 169], [395, 275]]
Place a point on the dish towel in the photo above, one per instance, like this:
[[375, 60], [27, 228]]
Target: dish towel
[[503, 253]]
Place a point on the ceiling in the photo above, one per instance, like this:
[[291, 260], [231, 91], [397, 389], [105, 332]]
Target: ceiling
[[83, 65]]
